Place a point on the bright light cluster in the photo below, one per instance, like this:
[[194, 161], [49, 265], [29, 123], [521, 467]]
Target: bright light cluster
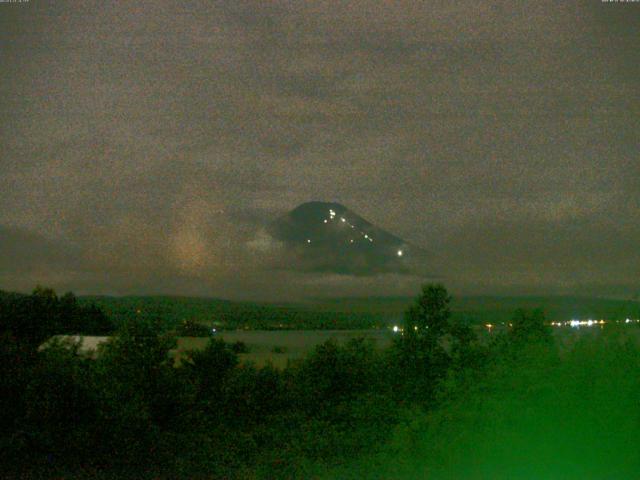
[[332, 216], [397, 329], [589, 323], [568, 323], [365, 236]]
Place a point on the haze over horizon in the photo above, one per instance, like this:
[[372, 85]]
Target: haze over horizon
[[148, 146]]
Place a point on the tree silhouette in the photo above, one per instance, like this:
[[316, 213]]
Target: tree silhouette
[[421, 358], [430, 313], [529, 327]]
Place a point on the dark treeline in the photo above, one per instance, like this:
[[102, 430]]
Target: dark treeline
[[33, 318], [224, 314], [347, 313], [130, 412]]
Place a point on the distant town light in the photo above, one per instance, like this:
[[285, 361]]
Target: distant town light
[[400, 253], [308, 240]]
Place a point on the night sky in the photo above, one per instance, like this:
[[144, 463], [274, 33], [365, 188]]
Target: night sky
[[145, 146]]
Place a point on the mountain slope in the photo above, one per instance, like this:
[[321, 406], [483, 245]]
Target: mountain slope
[[328, 237]]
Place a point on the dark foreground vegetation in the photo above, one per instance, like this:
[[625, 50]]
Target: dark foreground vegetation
[[438, 404]]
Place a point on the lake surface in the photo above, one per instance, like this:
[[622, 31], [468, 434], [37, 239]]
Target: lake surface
[[279, 347]]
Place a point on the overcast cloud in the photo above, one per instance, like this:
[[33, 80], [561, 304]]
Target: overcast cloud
[[151, 141]]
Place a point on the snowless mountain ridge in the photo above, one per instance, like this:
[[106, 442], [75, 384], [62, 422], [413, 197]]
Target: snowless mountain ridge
[[328, 237]]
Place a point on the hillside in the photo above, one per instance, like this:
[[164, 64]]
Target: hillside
[[349, 313], [496, 308]]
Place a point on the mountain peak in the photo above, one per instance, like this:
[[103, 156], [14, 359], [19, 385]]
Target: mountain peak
[[329, 237], [316, 208]]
